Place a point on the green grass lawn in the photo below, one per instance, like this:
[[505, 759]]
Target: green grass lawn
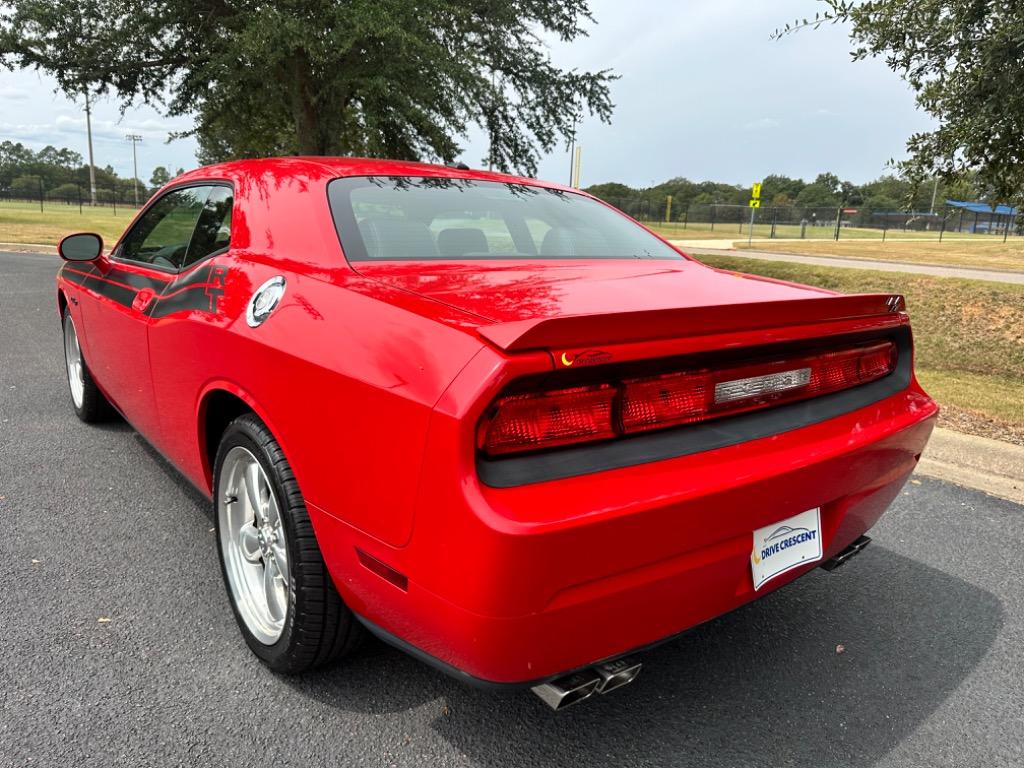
[[968, 335], [24, 223]]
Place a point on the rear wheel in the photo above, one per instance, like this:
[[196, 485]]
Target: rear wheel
[[89, 403], [285, 603]]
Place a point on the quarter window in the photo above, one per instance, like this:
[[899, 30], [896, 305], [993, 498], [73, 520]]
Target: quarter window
[[181, 228], [213, 231]]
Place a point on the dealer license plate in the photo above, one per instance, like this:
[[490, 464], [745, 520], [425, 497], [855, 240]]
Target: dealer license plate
[[785, 545]]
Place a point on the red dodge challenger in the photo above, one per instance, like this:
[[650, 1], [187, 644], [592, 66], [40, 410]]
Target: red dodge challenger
[[492, 420]]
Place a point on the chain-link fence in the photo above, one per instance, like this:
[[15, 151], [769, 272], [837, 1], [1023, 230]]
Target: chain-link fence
[[72, 196], [816, 223]]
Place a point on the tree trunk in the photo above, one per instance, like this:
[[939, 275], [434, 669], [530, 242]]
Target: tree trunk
[[308, 135]]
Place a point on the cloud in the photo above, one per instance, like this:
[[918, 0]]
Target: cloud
[[763, 124], [60, 131], [115, 130], [13, 94], [38, 133]]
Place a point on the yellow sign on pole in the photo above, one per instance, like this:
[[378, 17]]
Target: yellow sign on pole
[[755, 202]]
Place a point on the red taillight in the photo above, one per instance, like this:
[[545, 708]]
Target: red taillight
[[560, 417], [549, 419], [664, 401]]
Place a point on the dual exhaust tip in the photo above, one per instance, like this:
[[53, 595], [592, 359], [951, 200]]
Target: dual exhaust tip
[[577, 686]]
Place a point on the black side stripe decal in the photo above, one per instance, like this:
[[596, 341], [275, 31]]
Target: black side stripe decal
[[199, 291], [114, 286]]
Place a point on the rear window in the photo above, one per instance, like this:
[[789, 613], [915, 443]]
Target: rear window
[[391, 217]]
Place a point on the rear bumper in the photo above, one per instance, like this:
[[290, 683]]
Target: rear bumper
[[519, 585]]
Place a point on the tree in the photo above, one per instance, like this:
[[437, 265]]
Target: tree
[[777, 186], [160, 177], [613, 191], [27, 186], [369, 77], [817, 195], [66, 191], [962, 58], [826, 191]]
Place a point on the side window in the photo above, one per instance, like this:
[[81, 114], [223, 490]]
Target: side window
[[162, 236], [213, 232]]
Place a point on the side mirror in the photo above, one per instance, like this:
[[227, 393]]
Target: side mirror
[[85, 246]]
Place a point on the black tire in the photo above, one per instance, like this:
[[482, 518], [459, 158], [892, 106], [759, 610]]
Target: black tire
[[94, 407], [318, 627]]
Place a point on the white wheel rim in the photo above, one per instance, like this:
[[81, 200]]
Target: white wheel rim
[[73, 359], [253, 544]]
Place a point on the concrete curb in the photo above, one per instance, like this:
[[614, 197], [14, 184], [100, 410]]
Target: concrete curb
[[28, 248], [987, 465]]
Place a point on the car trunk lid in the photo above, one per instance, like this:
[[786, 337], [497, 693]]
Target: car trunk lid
[[571, 304]]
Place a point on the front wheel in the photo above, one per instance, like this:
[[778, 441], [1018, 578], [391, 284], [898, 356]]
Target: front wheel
[[290, 614], [89, 403]]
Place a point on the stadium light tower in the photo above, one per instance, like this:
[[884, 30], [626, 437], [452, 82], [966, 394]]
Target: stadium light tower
[[135, 138]]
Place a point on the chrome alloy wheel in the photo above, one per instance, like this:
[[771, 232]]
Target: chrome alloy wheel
[[73, 359], [253, 543]]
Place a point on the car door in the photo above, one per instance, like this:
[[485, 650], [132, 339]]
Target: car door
[[126, 286], [187, 338]]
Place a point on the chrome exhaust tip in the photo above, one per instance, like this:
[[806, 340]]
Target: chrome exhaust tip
[[568, 690], [615, 674], [603, 678], [847, 554]]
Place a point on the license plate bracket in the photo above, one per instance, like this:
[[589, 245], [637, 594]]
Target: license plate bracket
[[785, 545]]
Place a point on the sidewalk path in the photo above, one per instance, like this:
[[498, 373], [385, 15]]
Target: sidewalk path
[[967, 273]]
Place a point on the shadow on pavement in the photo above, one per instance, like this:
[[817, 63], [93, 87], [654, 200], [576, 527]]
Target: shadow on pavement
[[763, 685], [189, 491]]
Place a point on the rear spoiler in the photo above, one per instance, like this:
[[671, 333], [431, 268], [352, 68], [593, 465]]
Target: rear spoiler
[[655, 324]]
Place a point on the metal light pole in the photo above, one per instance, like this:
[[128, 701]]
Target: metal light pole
[[572, 152], [490, 148], [134, 138], [92, 165], [576, 167]]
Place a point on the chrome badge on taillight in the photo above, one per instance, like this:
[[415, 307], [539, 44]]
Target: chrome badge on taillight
[[759, 386]]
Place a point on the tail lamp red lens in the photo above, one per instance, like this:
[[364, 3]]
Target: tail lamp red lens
[[534, 421], [549, 419]]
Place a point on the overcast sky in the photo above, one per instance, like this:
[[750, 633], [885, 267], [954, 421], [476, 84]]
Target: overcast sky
[[704, 93]]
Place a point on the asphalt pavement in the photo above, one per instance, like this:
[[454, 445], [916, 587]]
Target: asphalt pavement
[[117, 646]]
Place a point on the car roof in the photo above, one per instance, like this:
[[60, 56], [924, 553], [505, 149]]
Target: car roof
[[320, 168]]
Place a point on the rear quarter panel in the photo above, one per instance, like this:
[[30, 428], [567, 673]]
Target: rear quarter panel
[[345, 380]]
